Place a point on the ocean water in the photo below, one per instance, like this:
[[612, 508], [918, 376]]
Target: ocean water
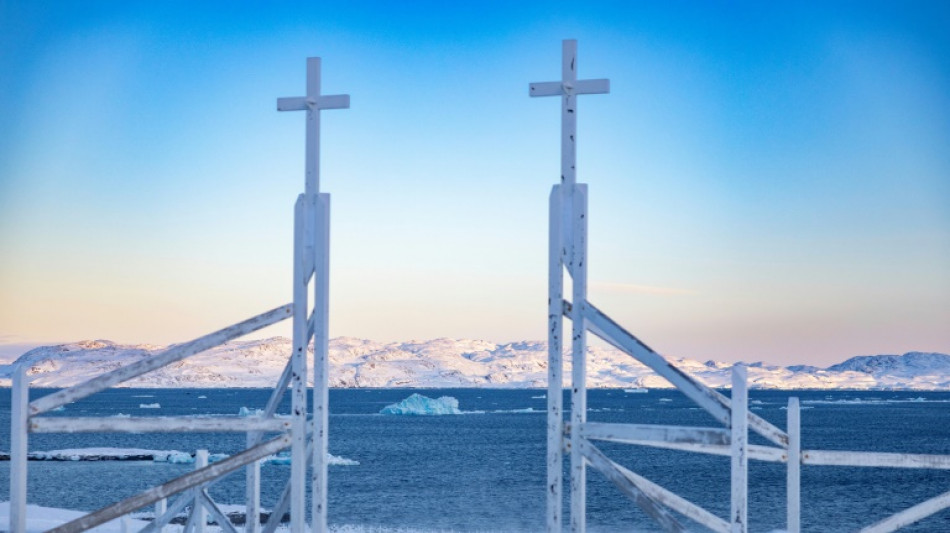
[[484, 470]]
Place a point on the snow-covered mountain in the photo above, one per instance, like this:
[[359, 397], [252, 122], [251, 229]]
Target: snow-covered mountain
[[457, 363]]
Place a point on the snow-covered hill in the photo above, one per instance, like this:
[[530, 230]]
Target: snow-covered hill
[[457, 363]]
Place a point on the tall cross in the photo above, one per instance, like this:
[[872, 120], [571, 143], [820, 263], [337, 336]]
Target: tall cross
[[568, 88], [313, 103]]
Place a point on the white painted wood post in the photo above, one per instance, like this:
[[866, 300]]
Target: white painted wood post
[[572, 250], [201, 514], [252, 491], [321, 362], [19, 418], [312, 248], [555, 455], [298, 380], [160, 507], [794, 482], [579, 360], [738, 516]]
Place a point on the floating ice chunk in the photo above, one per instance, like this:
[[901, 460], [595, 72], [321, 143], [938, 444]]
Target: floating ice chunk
[[59, 409], [283, 458], [202, 397], [245, 412], [150, 406], [178, 458], [418, 404], [542, 397]]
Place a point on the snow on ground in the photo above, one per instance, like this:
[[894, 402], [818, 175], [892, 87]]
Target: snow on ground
[[158, 456]]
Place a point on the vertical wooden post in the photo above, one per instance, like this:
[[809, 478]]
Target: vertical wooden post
[[252, 492], [578, 359], [555, 456], [201, 514], [19, 418], [794, 482], [321, 361], [298, 380], [738, 516], [160, 507]]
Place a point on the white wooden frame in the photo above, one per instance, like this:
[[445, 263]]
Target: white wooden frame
[[568, 253], [307, 440]]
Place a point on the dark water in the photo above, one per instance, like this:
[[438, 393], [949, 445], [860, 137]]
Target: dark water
[[485, 472]]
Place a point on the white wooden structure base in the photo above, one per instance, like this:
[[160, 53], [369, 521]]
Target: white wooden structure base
[[567, 247], [307, 440]]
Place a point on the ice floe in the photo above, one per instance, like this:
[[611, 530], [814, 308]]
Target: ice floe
[[418, 404]]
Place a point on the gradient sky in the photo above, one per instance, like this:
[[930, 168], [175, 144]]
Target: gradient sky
[[768, 180]]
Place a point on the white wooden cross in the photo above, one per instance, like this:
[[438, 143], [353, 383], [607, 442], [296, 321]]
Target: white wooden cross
[[313, 103], [569, 87]]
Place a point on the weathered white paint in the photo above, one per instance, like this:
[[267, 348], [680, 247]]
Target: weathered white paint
[[161, 506], [739, 513], [252, 491], [555, 396], [157, 424], [768, 454], [209, 505], [187, 481], [298, 379], [710, 400], [176, 353], [19, 419], [563, 241], [161, 520], [199, 510], [875, 459], [612, 471], [635, 433], [794, 480], [579, 360], [313, 103], [910, 515], [321, 366], [676, 503]]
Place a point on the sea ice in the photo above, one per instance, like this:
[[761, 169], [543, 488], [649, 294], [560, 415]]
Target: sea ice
[[418, 404], [150, 406], [245, 412]]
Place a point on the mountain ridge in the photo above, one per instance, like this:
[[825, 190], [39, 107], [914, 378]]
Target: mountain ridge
[[444, 362]]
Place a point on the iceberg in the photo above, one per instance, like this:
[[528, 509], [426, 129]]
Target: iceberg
[[245, 412], [150, 406], [418, 404]]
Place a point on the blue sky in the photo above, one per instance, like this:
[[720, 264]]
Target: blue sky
[[768, 182]]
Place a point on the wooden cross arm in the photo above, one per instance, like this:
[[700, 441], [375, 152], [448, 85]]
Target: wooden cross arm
[[556, 88], [300, 103]]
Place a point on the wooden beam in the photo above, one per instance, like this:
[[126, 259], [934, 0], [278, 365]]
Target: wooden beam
[[187, 481], [176, 353], [909, 516], [636, 433], [611, 471], [161, 424]]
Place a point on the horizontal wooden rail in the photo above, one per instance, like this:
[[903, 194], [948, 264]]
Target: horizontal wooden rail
[[157, 424], [875, 459], [632, 433], [176, 353], [185, 482], [769, 454]]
